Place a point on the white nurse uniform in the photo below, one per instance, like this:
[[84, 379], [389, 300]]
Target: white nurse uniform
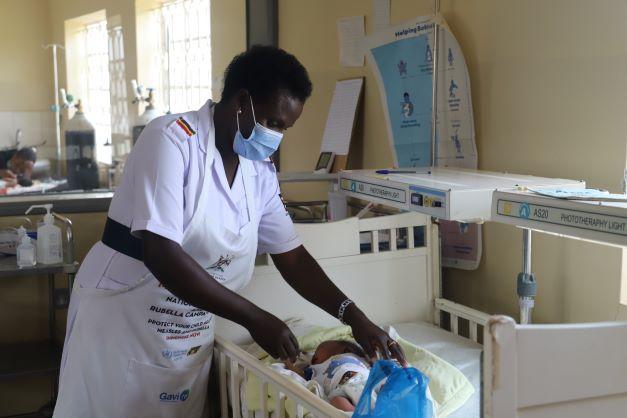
[[133, 349]]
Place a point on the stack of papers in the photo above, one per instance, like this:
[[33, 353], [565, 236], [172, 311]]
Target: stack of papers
[[581, 194]]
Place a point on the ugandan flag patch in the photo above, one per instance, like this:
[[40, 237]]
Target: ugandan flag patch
[[182, 123]]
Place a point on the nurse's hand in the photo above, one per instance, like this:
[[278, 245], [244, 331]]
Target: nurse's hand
[[372, 338], [273, 336]]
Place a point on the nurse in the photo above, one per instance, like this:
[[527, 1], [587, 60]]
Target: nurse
[[198, 200]]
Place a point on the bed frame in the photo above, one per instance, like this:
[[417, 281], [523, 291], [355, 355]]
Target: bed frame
[[404, 277]]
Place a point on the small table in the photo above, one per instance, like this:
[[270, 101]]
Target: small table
[[39, 357]]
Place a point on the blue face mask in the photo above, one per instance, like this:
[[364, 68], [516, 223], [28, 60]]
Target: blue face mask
[[261, 143]]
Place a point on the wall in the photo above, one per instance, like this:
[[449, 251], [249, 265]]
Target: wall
[[25, 73], [548, 81], [25, 76]]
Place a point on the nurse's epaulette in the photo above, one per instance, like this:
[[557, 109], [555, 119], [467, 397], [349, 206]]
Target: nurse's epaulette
[[182, 123]]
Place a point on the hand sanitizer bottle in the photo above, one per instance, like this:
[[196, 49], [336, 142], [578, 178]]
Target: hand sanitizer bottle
[[49, 248], [26, 253]]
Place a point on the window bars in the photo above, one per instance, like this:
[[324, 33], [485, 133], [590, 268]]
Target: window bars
[[185, 43], [98, 90]]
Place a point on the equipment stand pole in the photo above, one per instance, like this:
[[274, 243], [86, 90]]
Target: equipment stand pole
[[56, 108], [434, 99], [526, 283]]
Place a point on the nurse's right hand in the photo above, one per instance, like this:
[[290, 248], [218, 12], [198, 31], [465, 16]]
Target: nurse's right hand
[[273, 336]]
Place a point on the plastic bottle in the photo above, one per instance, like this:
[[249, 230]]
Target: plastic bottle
[[49, 247], [21, 232], [26, 253]]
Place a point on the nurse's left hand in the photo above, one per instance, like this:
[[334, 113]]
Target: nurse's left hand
[[372, 338]]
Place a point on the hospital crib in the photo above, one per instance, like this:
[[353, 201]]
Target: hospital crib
[[390, 266], [557, 371]]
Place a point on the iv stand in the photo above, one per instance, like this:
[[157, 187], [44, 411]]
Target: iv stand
[[55, 107]]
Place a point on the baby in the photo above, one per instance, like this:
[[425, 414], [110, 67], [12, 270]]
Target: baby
[[341, 369]]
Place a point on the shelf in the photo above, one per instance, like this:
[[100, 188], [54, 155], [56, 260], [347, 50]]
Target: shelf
[[8, 268], [26, 359], [601, 222], [64, 202], [307, 176]]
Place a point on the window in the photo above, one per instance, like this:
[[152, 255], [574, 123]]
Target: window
[[97, 96], [87, 64], [184, 54], [120, 128]]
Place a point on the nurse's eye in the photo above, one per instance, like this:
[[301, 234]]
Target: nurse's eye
[[275, 125]]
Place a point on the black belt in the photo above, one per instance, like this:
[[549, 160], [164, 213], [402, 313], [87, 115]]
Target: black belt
[[119, 238]]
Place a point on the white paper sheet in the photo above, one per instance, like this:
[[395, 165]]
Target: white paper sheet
[[581, 194], [351, 33], [381, 14], [339, 127]]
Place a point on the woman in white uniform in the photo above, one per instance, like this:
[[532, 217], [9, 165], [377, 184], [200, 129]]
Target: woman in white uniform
[[198, 200]]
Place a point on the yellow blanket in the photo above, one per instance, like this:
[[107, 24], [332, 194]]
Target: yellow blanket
[[449, 387]]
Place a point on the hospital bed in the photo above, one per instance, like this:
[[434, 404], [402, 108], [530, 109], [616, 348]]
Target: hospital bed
[[400, 265], [558, 370]]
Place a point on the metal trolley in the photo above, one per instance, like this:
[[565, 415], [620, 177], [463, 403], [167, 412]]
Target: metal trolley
[[40, 357]]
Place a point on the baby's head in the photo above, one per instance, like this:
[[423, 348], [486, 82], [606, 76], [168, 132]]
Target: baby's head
[[332, 348]]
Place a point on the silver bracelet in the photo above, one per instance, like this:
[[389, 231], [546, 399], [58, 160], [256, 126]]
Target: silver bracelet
[[340, 312]]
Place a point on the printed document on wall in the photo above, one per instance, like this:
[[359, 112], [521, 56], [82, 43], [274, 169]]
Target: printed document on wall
[[351, 33], [402, 57], [339, 128], [380, 14]]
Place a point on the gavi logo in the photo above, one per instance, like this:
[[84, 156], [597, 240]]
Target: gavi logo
[[174, 397]]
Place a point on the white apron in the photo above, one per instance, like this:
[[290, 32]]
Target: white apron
[[142, 352]]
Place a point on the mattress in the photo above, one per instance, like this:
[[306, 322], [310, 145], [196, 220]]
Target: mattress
[[460, 352]]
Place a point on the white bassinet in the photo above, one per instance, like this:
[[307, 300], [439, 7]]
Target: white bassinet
[[387, 265]]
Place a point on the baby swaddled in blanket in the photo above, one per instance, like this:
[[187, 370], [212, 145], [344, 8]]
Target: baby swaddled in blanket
[[341, 369]]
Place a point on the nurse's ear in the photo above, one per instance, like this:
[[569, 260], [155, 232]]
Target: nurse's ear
[[243, 101]]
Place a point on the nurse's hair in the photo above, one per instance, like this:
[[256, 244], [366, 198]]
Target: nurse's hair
[[265, 70], [27, 154]]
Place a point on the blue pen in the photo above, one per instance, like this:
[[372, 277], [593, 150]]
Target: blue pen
[[398, 172]]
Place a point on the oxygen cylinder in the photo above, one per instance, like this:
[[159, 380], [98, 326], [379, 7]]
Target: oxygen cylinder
[[150, 112], [80, 145]]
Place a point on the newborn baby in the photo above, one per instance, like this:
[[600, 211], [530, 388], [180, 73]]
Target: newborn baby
[[341, 369]]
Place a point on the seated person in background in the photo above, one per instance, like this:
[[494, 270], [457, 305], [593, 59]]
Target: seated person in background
[[341, 369], [18, 169]]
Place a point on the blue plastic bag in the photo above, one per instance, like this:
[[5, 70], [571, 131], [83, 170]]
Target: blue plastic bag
[[404, 394]]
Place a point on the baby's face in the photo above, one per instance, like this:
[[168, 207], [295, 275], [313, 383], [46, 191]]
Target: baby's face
[[329, 349]]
